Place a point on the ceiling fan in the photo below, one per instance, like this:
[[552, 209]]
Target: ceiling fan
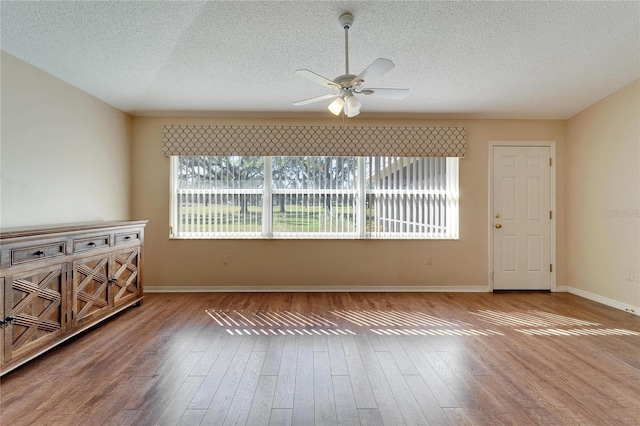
[[347, 86]]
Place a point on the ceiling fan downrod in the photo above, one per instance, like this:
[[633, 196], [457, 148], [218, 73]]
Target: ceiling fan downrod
[[346, 19]]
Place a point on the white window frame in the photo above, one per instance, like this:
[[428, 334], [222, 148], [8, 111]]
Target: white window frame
[[361, 193]]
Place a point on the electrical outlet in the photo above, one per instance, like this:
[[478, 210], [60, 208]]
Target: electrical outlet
[[630, 276], [428, 260], [225, 259], [638, 276]]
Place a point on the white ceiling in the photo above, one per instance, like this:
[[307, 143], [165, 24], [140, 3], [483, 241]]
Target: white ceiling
[[459, 59]]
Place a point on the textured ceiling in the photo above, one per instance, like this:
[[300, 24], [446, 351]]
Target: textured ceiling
[[459, 59]]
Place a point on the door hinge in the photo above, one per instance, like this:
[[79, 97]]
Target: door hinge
[[550, 214], [171, 230], [550, 268], [550, 162]]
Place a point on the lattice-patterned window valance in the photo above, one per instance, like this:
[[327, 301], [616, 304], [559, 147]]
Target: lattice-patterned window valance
[[314, 141]]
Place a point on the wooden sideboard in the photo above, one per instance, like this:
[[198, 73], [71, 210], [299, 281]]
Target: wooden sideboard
[[56, 281]]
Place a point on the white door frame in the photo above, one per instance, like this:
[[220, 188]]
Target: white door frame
[[552, 193]]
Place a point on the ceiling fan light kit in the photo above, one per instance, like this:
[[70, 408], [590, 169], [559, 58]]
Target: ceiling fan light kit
[[346, 86], [336, 106]]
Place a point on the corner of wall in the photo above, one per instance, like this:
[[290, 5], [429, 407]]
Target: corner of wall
[[603, 201]]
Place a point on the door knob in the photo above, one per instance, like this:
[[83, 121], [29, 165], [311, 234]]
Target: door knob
[[498, 226]]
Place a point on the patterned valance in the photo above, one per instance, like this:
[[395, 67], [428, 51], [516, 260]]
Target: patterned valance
[[314, 141]]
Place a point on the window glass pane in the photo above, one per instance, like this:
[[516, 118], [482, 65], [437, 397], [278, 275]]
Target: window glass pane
[[314, 196], [219, 195], [407, 197]]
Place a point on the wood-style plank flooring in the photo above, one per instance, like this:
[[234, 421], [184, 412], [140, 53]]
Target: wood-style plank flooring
[[340, 359]]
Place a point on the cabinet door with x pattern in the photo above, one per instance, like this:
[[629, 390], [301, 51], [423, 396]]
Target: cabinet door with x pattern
[[90, 293], [35, 305], [3, 323], [126, 276]]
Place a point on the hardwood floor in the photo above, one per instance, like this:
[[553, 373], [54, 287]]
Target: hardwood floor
[[340, 358]]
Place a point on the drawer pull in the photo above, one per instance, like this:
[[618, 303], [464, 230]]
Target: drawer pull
[[39, 253], [112, 281], [91, 244], [127, 238]]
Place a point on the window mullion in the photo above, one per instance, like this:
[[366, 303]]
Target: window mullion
[[174, 212], [361, 216], [267, 197]]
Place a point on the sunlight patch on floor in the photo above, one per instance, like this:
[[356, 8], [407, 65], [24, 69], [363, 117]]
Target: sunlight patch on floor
[[289, 331], [434, 332], [404, 323], [530, 319], [283, 323], [392, 318], [540, 323], [268, 318], [579, 332]]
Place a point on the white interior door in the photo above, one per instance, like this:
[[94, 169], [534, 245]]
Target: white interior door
[[521, 218]]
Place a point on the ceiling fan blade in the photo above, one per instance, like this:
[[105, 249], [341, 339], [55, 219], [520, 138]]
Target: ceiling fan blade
[[316, 78], [315, 99], [385, 93], [373, 71]]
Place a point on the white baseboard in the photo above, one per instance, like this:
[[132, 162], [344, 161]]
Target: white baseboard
[[605, 300], [314, 289]]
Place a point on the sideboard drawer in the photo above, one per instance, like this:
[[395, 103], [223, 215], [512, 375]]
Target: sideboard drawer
[[31, 254], [129, 237], [86, 244]]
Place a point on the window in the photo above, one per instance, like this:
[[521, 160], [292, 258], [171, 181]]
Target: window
[[314, 197]]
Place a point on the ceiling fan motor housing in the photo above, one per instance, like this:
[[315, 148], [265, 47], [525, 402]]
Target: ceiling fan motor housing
[[345, 80]]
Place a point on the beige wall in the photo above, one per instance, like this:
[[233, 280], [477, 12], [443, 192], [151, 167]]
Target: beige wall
[[603, 197], [65, 157], [65, 154], [320, 263], [69, 157]]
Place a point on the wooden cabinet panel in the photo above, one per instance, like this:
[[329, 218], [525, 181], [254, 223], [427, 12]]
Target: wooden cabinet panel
[[36, 306], [90, 293], [57, 281], [2, 321], [125, 275]]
